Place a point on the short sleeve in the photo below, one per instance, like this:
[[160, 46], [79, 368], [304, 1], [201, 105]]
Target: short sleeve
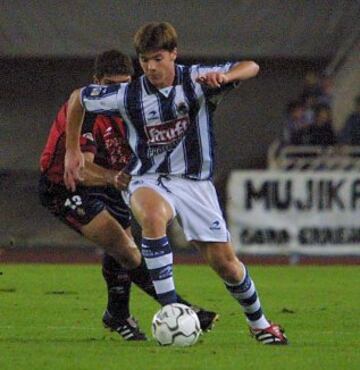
[[101, 99], [201, 69], [214, 96]]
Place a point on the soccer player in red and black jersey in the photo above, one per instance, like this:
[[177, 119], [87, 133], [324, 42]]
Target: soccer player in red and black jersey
[[96, 209]]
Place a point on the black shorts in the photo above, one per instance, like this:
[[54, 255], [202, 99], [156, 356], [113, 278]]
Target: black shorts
[[80, 207]]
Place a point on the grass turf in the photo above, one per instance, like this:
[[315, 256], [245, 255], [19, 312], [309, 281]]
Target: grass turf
[[50, 318]]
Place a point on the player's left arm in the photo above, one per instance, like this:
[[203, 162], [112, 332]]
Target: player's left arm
[[95, 175], [238, 72]]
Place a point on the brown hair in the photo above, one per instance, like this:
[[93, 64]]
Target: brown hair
[[155, 36], [112, 62]]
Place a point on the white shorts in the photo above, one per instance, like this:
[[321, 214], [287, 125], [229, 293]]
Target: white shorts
[[194, 203]]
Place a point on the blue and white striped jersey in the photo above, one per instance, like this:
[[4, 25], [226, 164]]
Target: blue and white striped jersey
[[170, 130]]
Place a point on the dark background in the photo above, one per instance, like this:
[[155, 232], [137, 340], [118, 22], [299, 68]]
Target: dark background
[[47, 49]]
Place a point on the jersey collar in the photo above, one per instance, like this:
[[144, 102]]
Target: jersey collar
[[151, 89]]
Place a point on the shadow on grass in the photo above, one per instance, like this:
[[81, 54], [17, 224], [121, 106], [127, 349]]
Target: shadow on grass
[[62, 292], [7, 290], [104, 339]]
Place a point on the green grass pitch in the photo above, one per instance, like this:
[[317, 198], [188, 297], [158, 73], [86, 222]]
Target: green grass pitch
[[50, 318]]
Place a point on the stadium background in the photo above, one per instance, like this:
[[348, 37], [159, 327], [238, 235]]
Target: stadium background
[[47, 49]]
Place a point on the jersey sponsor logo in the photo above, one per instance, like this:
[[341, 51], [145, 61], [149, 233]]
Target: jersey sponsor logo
[[155, 150], [116, 151], [167, 132]]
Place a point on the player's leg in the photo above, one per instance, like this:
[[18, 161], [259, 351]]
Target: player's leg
[[106, 232], [114, 220], [115, 205], [118, 287], [123, 257], [153, 213], [222, 259], [86, 215], [203, 223], [117, 315]]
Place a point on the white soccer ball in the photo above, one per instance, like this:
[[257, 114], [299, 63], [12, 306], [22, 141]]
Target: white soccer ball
[[176, 324]]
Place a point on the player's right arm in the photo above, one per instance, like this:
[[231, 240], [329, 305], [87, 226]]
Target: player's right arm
[[93, 98], [74, 159]]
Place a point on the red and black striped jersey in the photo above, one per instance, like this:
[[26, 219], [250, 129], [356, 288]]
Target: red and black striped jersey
[[112, 149], [101, 135]]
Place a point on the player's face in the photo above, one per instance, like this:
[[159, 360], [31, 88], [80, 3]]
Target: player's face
[[159, 67], [112, 79]]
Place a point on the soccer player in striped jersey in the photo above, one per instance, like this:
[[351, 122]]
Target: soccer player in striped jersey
[[168, 113], [96, 209]]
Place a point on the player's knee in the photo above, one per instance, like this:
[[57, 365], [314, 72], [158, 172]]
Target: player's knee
[[154, 222], [125, 254], [129, 261], [109, 235]]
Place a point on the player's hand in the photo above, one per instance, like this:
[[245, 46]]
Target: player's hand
[[122, 180], [73, 166], [213, 80]]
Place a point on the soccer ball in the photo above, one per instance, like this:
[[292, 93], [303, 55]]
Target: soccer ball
[[176, 324]]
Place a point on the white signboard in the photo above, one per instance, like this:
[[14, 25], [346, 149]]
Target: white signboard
[[272, 212]]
